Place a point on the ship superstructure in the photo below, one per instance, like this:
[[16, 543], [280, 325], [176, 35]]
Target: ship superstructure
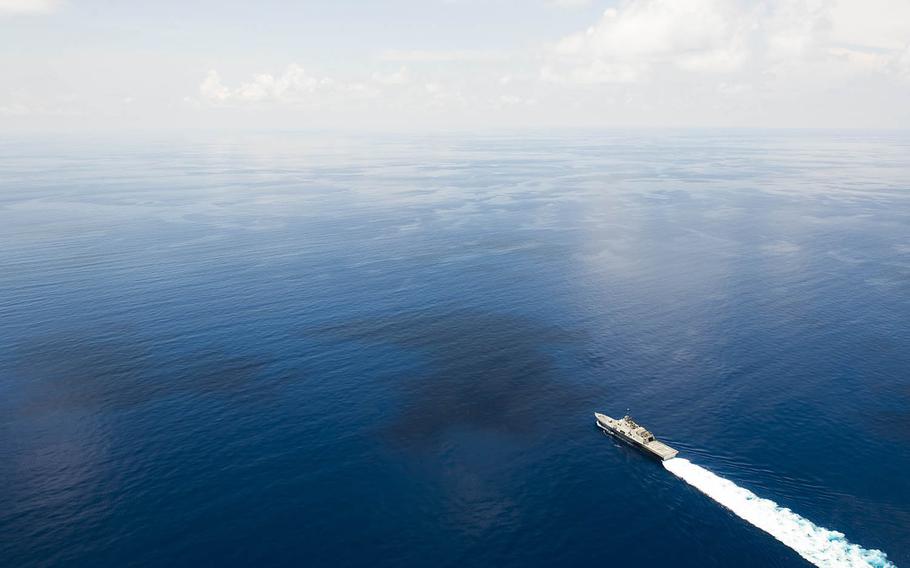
[[633, 433]]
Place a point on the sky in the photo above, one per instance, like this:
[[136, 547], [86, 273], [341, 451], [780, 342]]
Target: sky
[[453, 64]]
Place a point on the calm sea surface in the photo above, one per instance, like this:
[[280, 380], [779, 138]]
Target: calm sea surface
[[350, 351]]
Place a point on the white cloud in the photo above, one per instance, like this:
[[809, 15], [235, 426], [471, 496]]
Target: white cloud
[[643, 38], [211, 89], [570, 3], [628, 42], [875, 24], [14, 109], [654, 28], [400, 77], [27, 6], [593, 72], [902, 63], [441, 56], [294, 86], [733, 89]]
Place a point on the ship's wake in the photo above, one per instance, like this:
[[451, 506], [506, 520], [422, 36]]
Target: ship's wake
[[816, 544]]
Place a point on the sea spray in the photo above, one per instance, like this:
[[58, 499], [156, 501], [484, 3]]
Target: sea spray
[[818, 545]]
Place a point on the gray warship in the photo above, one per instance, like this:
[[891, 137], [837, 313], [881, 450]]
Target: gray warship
[[631, 432]]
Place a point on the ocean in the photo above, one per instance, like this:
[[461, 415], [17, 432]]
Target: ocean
[[322, 349]]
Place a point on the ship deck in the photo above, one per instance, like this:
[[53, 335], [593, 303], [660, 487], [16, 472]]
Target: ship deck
[[662, 450]]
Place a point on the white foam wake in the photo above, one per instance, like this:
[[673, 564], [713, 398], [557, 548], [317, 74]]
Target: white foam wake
[[818, 545]]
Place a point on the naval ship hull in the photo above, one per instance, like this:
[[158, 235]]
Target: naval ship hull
[[653, 448]]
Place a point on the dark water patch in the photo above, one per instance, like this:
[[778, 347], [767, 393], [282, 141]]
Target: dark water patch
[[487, 372]]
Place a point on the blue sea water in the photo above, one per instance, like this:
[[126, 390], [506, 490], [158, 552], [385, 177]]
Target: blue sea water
[[325, 350]]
